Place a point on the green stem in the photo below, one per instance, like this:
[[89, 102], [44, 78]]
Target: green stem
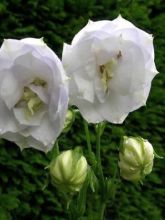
[[88, 137], [101, 212], [56, 149], [100, 172], [98, 144], [98, 155]]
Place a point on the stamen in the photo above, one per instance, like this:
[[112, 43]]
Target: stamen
[[106, 74], [30, 101], [119, 55], [107, 71]]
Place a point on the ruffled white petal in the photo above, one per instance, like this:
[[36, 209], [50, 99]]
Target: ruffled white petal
[[47, 132], [24, 119], [41, 92], [7, 121], [33, 41], [89, 111], [91, 26], [23, 63], [128, 54], [10, 90]]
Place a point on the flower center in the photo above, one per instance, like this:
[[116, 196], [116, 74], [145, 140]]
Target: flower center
[[107, 71], [106, 74], [30, 101]]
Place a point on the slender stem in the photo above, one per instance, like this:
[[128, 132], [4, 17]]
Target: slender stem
[[98, 144], [88, 137], [56, 148], [101, 212], [100, 171], [98, 155]]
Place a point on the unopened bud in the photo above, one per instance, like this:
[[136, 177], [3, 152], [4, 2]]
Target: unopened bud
[[136, 158], [70, 117], [69, 170]]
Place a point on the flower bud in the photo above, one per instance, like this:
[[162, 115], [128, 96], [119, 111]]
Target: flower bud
[[70, 116], [69, 170], [136, 158]]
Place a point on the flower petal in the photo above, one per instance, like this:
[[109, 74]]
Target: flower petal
[[24, 119], [89, 111], [11, 90], [8, 122]]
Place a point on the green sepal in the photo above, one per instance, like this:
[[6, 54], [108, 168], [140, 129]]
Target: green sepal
[[111, 187], [121, 147], [54, 152], [100, 126], [157, 156], [93, 181], [77, 153]]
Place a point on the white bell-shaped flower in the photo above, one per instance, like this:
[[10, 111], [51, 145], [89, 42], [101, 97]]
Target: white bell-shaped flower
[[110, 65], [33, 93]]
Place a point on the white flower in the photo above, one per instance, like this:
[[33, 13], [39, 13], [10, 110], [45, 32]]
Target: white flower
[[33, 93], [69, 170], [136, 158], [110, 65]]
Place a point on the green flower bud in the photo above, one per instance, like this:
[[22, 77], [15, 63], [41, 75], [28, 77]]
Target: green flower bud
[[69, 170], [136, 158], [70, 116]]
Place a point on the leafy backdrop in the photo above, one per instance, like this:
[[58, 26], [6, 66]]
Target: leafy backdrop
[[22, 174]]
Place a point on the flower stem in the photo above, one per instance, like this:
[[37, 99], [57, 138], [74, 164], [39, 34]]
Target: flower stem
[[100, 172], [101, 212], [88, 137], [98, 155]]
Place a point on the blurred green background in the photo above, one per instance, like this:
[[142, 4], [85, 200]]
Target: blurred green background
[[22, 174]]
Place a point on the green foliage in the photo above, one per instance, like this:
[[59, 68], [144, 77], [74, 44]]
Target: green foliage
[[23, 176]]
